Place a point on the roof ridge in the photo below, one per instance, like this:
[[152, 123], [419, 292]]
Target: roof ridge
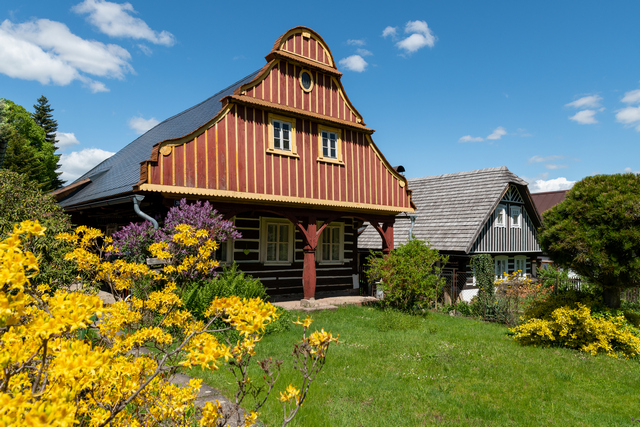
[[473, 172]]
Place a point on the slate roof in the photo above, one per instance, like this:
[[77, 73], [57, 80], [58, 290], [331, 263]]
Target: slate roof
[[119, 173], [547, 200], [451, 209]]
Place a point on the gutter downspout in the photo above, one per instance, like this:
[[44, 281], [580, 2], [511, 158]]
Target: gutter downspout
[[413, 222], [136, 207]]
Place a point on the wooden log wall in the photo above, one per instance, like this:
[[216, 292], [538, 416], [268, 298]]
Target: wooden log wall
[[288, 278]]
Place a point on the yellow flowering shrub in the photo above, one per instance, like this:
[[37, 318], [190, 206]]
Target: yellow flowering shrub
[[578, 328], [51, 376]]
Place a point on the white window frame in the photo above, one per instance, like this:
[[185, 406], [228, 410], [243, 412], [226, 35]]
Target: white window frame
[[321, 243], [338, 145], [276, 145], [265, 222], [515, 216], [497, 262], [500, 209], [520, 263]]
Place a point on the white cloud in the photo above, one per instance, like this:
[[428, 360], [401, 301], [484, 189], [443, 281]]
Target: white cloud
[[556, 184], [629, 116], [356, 42], [390, 31], [498, 133], [363, 52], [47, 51], [629, 170], [539, 159], [632, 97], [469, 138], [66, 139], [116, 20], [354, 63], [553, 166], [584, 117], [75, 164], [420, 36], [590, 101], [140, 125]]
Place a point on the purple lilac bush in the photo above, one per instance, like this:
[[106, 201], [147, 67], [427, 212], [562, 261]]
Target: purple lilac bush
[[132, 242]]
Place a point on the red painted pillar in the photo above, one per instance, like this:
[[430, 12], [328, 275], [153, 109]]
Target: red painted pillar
[[309, 269], [387, 238]]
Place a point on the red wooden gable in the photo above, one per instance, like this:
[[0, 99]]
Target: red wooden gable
[[232, 158]]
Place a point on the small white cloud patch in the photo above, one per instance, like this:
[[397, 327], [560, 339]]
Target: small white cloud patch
[[354, 63], [469, 138], [555, 184], [66, 139], [140, 125], [584, 117], [356, 42], [390, 32], [75, 164], [116, 20], [498, 133], [420, 36], [540, 159], [630, 115], [590, 101]]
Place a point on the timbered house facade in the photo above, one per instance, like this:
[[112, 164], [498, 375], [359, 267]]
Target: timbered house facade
[[283, 152], [467, 213]]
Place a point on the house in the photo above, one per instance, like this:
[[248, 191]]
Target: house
[[282, 152], [543, 202], [467, 213], [548, 199]]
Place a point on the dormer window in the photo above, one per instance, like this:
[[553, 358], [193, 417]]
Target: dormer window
[[516, 217], [500, 216]]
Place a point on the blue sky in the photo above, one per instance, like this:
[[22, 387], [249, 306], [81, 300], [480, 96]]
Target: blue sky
[[549, 89]]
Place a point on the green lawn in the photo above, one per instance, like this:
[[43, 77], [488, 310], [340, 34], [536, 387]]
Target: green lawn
[[392, 369]]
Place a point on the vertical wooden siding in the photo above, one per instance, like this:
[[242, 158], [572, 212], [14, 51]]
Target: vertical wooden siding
[[232, 155], [307, 47], [281, 86], [507, 239]]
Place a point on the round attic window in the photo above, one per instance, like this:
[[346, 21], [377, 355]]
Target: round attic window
[[306, 80]]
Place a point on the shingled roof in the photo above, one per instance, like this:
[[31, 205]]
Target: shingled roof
[[118, 174], [451, 209]]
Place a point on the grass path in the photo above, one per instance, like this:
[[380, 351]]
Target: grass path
[[392, 369]]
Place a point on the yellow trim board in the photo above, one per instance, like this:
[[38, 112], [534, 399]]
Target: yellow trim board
[[235, 196]]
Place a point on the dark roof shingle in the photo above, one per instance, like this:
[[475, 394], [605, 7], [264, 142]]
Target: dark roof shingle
[[120, 172]]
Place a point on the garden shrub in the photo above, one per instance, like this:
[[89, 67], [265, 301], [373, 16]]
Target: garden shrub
[[20, 200], [198, 294], [580, 329], [410, 275], [543, 308]]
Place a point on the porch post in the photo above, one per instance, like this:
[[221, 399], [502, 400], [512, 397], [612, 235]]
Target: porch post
[[309, 269], [387, 239]]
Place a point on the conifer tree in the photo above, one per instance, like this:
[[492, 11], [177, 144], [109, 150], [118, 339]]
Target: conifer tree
[[43, 117]]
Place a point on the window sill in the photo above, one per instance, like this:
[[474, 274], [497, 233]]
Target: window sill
[[330, 262], [285, 263], [282, 153], [330, 160]]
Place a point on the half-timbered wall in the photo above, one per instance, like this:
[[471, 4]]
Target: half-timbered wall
[[493, 239], [232, 156]]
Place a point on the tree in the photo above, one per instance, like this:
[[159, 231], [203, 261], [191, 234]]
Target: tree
[[20, 200], [43, 117], [24, 147], [595, 232]]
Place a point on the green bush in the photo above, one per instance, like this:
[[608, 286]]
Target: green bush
[[410, 275], [198, 294], [20, 200]]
